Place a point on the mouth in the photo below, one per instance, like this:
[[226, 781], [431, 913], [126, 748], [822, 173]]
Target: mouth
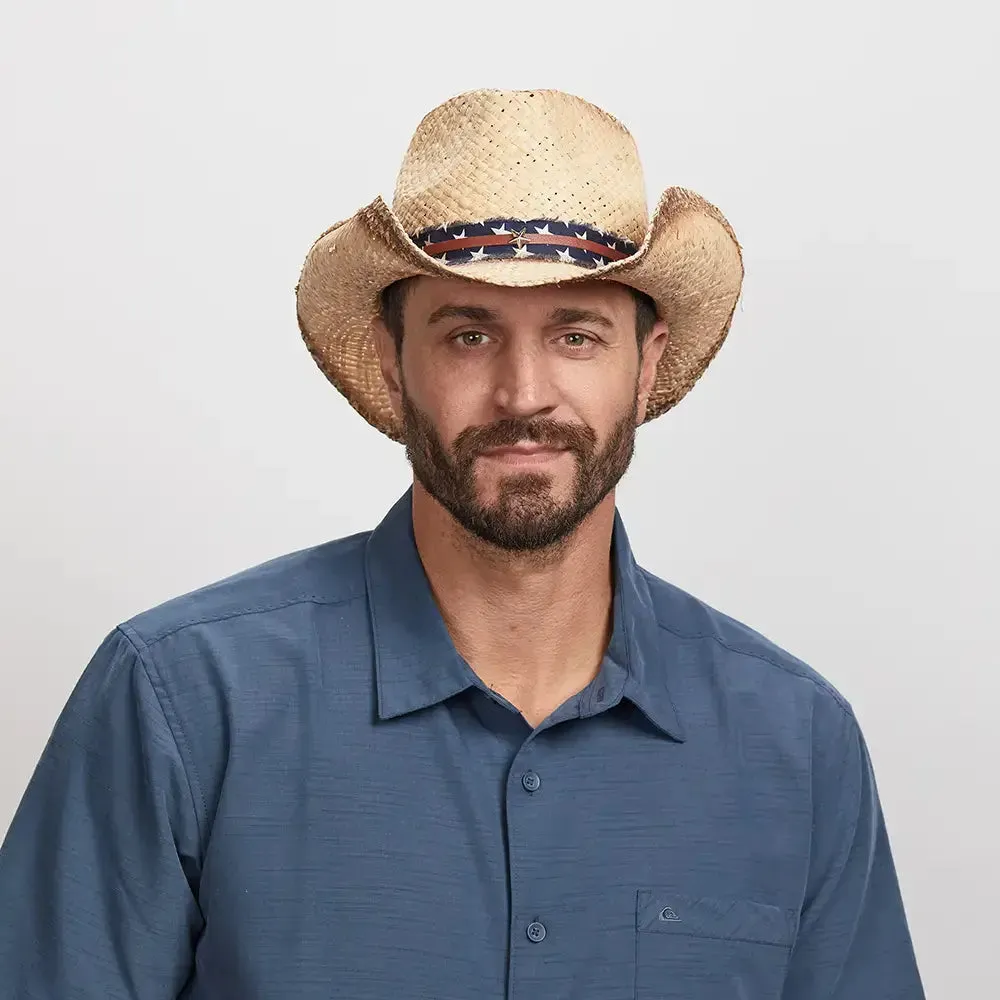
[[527, 453]]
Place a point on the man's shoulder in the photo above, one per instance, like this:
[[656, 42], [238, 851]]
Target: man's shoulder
[[331, 572], [733, 651]]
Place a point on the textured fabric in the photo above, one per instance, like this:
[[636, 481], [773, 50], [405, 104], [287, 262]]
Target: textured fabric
[[289, 786]]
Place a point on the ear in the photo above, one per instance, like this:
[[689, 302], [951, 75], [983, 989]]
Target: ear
[[389, 364], [652, 351]]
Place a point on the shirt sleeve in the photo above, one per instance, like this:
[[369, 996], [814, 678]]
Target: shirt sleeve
[[98, 870], [853, 938]]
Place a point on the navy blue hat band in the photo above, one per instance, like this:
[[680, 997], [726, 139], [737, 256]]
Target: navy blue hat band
[[465, 242]]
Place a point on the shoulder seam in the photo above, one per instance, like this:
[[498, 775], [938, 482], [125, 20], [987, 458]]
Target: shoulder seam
[[240, 612], [173, 726], [816, 681]]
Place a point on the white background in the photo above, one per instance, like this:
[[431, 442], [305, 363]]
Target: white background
[[832, 480]]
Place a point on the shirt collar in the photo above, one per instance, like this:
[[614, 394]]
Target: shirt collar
[[638, 639], [417, 665]]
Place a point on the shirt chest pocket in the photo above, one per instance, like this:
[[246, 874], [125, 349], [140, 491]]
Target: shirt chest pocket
[[706, 948]]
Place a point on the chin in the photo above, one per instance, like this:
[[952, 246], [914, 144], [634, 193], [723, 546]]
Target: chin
[[528, 485]]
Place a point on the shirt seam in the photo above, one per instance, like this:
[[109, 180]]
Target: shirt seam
[[195, 792], [816, 682], [843, 854], [853, 741], [158, 637]]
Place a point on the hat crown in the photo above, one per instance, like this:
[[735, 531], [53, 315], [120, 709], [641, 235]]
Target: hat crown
[[519, 154]]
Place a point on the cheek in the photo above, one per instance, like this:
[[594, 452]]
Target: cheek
[[452, 401], [599, 398]]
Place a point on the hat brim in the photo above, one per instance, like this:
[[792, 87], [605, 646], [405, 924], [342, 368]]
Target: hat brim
[[689, 263]]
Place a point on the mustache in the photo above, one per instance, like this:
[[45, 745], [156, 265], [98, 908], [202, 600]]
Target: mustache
[[505, 433]]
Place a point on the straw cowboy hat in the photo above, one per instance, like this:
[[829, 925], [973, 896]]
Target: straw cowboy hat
[[521, 188]]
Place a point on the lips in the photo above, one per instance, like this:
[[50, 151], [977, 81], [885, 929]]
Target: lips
[[523, 449]]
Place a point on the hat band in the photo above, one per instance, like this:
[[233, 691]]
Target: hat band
[[523, 239]]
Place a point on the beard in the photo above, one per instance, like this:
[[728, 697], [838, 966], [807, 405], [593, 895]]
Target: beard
[[524, 516]]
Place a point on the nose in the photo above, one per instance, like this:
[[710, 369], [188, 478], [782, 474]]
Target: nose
[[524, 386]]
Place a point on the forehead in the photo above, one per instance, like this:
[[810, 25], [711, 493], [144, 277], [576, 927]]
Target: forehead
[[426, 294]]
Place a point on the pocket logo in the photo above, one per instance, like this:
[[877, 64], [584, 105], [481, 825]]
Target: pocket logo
[[667, 913]]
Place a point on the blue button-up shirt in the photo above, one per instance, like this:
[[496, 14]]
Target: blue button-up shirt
[[290, 786]]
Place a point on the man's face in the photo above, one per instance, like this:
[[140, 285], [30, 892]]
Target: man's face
[[519, 406]]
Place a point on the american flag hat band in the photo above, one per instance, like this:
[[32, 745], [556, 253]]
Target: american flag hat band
[[523, 239]]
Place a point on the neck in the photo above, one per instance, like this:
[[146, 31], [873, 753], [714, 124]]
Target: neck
[[533, 626]]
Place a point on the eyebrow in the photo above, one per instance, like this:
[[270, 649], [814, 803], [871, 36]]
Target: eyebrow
[[580, 316], [480, 314]]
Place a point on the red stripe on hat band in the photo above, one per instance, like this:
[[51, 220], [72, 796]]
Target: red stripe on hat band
[[599, 249]]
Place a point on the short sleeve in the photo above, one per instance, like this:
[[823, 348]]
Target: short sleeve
[[853, 938], [99, 869]]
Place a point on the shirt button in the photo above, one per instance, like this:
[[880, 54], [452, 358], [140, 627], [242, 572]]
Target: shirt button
[[532, 783], [536, 931]]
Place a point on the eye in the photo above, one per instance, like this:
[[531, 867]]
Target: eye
[[576, 340], [472, 338]]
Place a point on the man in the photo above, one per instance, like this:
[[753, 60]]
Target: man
[[477, 752]]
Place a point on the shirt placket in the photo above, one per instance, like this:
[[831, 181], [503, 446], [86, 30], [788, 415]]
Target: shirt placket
[[533, 933]]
